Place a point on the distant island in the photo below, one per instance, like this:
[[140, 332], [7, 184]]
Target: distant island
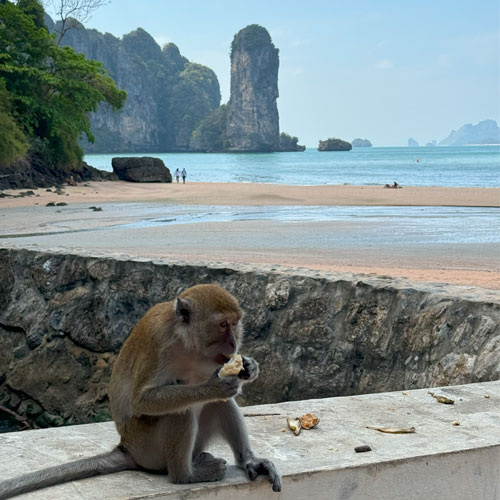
[[485, 132], [333, 144], [361, 143]]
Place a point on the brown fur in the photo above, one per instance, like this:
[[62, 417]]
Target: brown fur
[[167, 400]]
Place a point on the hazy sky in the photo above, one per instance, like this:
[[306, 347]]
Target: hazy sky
[[384, 70]]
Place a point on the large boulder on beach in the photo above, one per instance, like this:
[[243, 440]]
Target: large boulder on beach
[[141, 169]]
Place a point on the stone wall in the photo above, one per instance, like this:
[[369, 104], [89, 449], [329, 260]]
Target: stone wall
[[63, 318]]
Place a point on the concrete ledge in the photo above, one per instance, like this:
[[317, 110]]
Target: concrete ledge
[[439, 461]]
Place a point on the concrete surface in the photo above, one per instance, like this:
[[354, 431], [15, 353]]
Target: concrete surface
[[438, 461]]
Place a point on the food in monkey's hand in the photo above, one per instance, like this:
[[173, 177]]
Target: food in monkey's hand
[[232, 367]]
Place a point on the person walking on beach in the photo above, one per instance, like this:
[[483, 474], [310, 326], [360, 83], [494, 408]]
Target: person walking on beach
[[184, 175], [177, 175]]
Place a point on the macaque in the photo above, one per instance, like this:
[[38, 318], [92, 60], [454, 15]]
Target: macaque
[[168, 401]]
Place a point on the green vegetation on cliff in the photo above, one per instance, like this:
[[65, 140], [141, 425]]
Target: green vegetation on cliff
[[194, 96], [251, 38], [210, 135], [13, 143], [46, 91], [167, 94]]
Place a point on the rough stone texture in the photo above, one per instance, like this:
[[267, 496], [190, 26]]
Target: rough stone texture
[[32, 173], [64, 317], [141, 169], [253, 122]]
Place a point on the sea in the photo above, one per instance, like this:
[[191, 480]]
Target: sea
[[470, 166], [466, 166]]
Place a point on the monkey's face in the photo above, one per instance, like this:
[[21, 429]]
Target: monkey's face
[[224, 336], [209, 322]]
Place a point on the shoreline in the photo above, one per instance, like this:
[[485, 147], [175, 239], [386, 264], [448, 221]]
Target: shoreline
[[270, 244], [256, 194]]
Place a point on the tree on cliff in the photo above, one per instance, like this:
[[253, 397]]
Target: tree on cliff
[[13, 143], [48, 91]]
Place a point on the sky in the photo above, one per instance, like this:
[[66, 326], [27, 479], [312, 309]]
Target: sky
[[384, 70]]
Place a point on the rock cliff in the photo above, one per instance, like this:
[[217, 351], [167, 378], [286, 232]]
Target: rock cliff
[[253, 120], [167, 94], [64, 317]]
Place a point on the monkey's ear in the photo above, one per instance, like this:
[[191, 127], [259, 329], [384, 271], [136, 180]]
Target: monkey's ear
[[184, 308]]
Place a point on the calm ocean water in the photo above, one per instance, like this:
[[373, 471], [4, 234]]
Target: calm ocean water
[[475, 166]]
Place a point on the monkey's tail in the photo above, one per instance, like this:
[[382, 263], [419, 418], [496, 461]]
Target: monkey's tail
[[112, 461]]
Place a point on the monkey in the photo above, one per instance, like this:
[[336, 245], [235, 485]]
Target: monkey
[[167, 400]]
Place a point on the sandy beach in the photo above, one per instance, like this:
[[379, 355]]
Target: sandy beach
[[273, 244], [204, 193]]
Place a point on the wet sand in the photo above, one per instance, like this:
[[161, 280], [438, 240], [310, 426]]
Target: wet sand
[[206, 193], [271, 244]]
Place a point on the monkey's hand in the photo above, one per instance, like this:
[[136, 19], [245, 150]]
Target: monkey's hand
[[250, 369], [223, 388], [261, 466]]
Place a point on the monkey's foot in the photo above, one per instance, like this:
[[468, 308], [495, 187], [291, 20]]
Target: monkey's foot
[[206, 458], [206, 467], [261, 466]]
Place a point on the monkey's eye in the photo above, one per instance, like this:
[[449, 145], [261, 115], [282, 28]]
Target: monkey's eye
[[224, 324]]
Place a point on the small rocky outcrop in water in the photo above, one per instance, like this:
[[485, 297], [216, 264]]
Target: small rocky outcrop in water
[[289, 143], [361, 143], [334, 145], [412, 143], [64, 317], [141, 169], [253, 121]]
